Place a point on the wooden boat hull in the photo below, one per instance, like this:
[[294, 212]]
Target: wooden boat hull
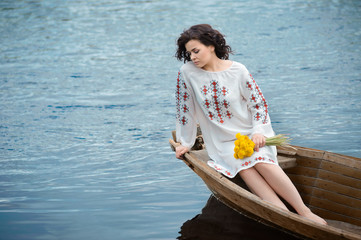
[[319, 193]]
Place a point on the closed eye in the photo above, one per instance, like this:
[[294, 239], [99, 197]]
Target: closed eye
[[193, 50]]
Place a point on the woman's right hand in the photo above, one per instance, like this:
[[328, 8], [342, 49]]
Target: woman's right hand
[[259, 141], [180, 151]]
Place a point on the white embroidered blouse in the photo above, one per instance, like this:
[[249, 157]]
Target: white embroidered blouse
[[223, 103]]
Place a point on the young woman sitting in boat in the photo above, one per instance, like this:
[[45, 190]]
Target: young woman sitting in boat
[[223, 98]]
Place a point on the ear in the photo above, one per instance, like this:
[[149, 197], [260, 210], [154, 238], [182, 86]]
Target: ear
[[211, 48]]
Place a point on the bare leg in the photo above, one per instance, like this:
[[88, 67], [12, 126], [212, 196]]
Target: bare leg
[[260, 187], [282, 185]]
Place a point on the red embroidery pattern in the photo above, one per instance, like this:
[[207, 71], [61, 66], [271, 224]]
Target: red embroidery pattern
[[262, 159], [219, 168], [184, 120], [181, 98], [246, 164], [215, 102], [257, 97]]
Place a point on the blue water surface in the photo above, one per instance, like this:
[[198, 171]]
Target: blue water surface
[[87, 104]]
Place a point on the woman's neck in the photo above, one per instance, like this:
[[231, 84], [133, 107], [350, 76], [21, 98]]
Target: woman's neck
[[217, 65]]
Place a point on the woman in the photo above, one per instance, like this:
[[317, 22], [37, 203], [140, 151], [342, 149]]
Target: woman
[[222, 96]]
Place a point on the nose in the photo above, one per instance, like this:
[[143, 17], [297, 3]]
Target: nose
[[193, 56]]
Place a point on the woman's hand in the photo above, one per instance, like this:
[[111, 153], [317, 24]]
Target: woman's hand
[[259, 141], [180, 151]]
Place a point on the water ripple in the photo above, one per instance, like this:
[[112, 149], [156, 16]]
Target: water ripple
[[86, 90]]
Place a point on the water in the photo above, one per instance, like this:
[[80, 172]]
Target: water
[[87, 105]]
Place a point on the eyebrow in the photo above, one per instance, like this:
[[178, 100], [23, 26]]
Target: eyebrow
[[190, 50]]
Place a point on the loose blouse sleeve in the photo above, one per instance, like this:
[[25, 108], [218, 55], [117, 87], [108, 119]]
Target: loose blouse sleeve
[[257, 105], [186, 125]]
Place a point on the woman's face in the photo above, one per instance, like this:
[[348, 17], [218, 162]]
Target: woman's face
[[200, 54]]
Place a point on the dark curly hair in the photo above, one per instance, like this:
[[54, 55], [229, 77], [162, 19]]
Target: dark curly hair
[[207, 36]]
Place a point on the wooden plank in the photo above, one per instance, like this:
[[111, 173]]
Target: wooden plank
[[337, 198], [338, 188], [335, 216], [311, 153], [304, 190], [341, 169], [303, 180], [308, 162], [283, 150], [336, 207], [339, 178], [352, 162], [308, 193], [308, 185], [303, 171], [174, 136], [306, 199], [344, 225], [286, 162]]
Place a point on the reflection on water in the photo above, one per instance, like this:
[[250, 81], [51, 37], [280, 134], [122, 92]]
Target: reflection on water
[[219, 222]]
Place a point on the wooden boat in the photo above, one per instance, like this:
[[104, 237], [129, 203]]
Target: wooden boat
[[329, 183]]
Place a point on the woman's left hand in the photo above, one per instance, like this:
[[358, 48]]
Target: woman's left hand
[[259, 141], [180, 151]]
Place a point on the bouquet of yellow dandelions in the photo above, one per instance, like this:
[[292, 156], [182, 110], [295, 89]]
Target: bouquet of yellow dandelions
[[244, 146]]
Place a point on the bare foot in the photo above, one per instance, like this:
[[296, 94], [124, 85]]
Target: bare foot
[[310, 215]]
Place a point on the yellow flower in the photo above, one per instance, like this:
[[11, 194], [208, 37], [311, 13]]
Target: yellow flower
[[249, 151], [241, 154], [244, 145]]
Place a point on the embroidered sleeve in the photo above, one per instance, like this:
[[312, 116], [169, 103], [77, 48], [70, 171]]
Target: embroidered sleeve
[[186, 126], [257, 105]]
